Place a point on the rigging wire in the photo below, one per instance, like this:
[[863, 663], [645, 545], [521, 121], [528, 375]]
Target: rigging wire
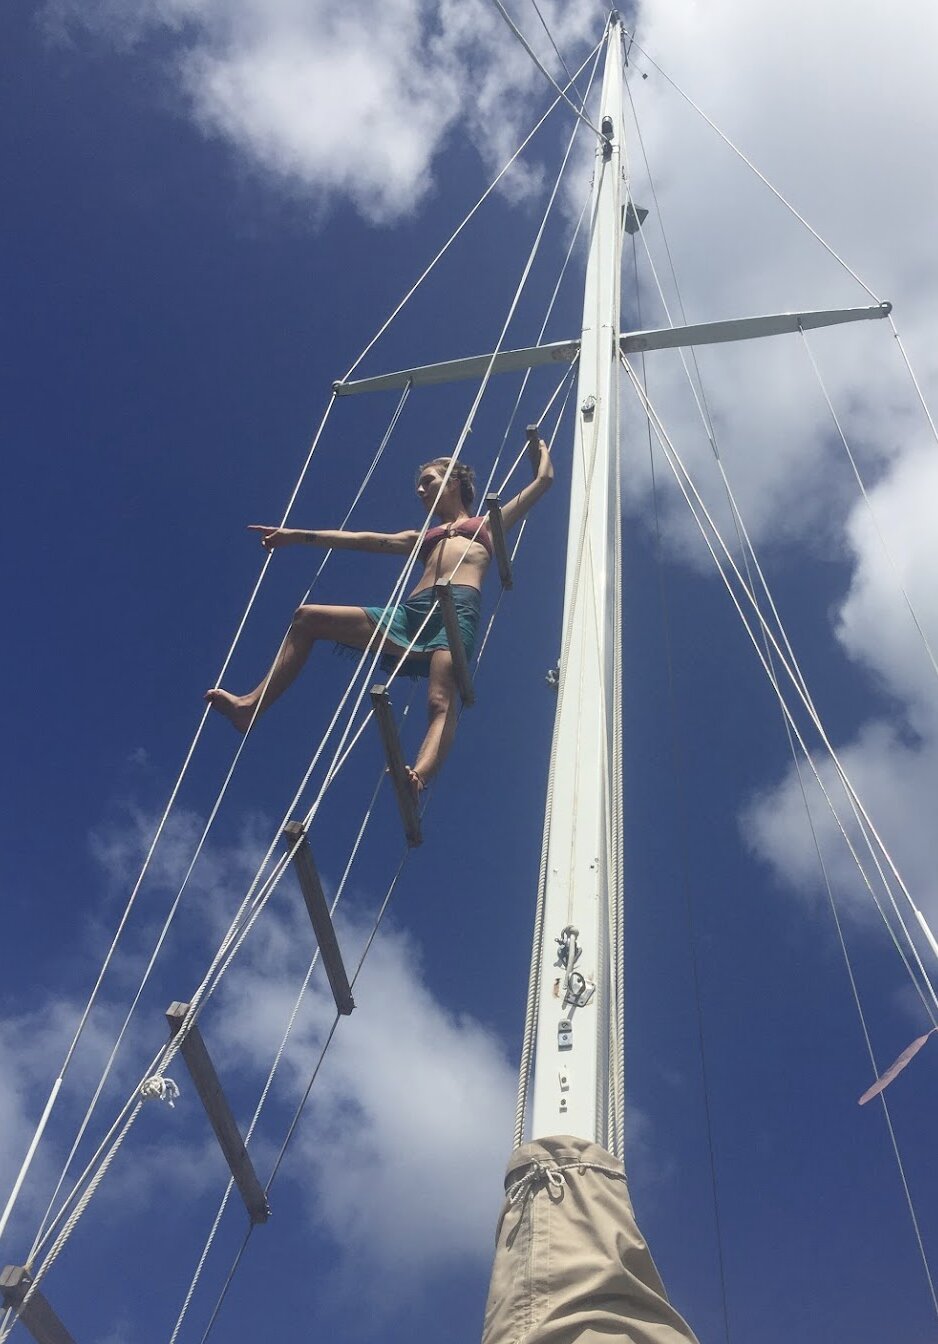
[[535, 247], [867, 501], [677, 766], [862, 817], [915, 382], [408, 568], [557, 52], [854, 988], [231, 944], [459, 228], [748, 551], [237, 1260], [198, 850], [668, 449], [69, 1054], [749, 164], [543, 68], [174, 793], [279, 1053], [50, 1103]]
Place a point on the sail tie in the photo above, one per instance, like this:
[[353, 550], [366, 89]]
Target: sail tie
[[547, 1176]]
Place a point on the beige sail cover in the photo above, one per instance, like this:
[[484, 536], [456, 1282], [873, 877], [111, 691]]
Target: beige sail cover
[[570, 1263]]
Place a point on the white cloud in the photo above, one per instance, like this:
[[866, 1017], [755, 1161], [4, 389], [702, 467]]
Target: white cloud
[[792, 86], [353, 103], [408, 1129], [401, 1153]]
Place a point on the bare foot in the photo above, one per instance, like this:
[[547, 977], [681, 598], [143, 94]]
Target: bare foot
[[237, 709], [417, 785]]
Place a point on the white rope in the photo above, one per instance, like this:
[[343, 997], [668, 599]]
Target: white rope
[[794, 670], [197, 853], [220, 1212], [543, 68], [915, 382], [382, 329], [857, 807], [265, 1091], [233, 939], [239, 929], [790, 725], [559, 55], [761, 176], [458, 230], [146, 863], [863, 1025], [868, 502], [339, 753]]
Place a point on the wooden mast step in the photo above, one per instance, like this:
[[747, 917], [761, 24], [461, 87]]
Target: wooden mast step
[[443, 592], [318, 911], [406, 802], [202, 1071], [37, 1316], [493, 507]]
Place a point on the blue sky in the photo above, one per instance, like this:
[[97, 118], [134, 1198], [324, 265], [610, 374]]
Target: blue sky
[[205, 222]]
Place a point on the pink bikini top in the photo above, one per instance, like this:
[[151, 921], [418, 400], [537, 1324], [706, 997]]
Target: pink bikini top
[[466, 527]]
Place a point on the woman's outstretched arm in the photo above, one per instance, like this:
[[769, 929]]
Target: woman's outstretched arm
[[386, 543], [516, 508]]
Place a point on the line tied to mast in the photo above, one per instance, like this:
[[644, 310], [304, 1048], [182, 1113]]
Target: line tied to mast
[[548, 1176]]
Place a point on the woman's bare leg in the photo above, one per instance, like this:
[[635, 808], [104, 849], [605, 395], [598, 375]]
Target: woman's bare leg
[[348, 625], [441, 713]]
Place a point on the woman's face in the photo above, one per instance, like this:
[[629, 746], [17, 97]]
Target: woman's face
[[428, 487]]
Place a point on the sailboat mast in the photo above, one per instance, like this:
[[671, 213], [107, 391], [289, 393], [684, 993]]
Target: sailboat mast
[[579, 999]]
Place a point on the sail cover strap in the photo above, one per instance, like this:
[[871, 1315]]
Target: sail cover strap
[[571, 1266]]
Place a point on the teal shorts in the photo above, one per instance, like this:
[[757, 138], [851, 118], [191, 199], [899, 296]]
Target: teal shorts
[[402, 624]]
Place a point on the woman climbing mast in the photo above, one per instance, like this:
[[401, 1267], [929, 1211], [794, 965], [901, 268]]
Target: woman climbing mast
[[459, 548]]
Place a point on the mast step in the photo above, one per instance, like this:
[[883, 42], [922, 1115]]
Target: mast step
[[202, 1072], [320, 918], [37, 1316], [381, 703], [493, 506], [532, 434], [443, 592]]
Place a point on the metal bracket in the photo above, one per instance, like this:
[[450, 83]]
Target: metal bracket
[[37, 1316]]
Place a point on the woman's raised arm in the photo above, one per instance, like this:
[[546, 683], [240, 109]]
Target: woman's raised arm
[[386, 543], [516, 508]]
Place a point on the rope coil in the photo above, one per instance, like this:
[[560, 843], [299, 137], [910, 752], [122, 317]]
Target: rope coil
[[158, 1088]]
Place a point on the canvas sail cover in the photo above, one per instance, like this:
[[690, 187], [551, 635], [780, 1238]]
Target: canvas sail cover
[[570, 1263]]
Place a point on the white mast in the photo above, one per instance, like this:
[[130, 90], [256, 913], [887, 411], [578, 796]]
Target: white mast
[[579, 999]]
